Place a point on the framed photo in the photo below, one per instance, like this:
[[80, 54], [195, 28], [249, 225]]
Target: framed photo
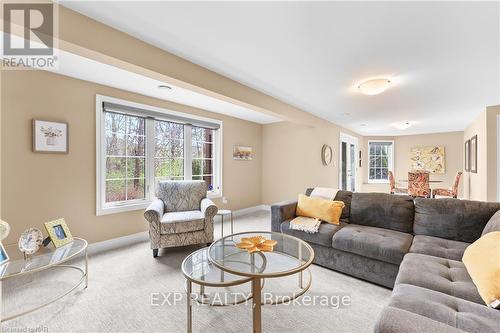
[[4, 257], [242, 153], [467, 155], [50, 137], [58, 232], [473, 154]]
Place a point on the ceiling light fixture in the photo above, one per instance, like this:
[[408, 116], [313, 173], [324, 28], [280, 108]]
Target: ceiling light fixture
[[164, 86], [403, 125], [374, 86]]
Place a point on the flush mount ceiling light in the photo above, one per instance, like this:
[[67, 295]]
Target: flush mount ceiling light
[[403, 125], [164, 86], [374, 86]]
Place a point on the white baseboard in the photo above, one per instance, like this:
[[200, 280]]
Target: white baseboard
[[250, 210], [114, 243]]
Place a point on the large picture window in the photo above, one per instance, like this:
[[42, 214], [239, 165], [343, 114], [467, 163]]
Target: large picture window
[[381, 157], [139, 146]]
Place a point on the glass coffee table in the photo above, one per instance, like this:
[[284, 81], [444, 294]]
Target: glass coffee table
[[223, 264], [44, 260]]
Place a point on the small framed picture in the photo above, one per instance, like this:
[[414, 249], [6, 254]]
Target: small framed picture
[[473, 154], [50, 137], [58, 232], [242, 153], [467, 155], [4, 257]]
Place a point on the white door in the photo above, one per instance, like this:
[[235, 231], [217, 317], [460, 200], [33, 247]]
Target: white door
[[348, 162]]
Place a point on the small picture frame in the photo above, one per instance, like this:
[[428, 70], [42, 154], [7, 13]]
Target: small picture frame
[[50, 137], [473, 154], [58, 232], [467, 155], [4, 257], [242, 153]]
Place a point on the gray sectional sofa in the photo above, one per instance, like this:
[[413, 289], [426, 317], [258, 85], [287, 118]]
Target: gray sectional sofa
[[414, 246]]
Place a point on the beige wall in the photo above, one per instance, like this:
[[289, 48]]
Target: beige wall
[[452, 141], [292, 159], [483, 184], [42, 187]]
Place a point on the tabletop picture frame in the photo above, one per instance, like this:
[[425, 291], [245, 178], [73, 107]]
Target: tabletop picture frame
[[4, 257], [58, 232]]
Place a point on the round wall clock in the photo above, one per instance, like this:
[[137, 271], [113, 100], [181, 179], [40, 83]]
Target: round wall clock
[[326, 154], [30, 241]]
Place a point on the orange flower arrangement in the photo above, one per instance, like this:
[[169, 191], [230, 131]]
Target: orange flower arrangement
[[257, 243]]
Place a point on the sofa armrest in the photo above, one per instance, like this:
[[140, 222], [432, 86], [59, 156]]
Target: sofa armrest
[[282, 211], [155, 211], [208, 208]]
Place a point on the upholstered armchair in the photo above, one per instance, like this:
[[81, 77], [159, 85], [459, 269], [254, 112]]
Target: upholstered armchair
[[180, 215], [452, 192]]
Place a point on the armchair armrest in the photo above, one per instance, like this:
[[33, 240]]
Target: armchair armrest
[[208, 208], [282, 211], [155, 211]]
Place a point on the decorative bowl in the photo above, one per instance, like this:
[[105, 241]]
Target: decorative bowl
[[257, 243]]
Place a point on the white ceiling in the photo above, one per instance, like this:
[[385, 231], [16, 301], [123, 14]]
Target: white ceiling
[[443, 58]]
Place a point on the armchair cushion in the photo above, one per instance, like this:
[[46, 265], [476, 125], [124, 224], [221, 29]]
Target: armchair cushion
[[178, 222], [181, 196]]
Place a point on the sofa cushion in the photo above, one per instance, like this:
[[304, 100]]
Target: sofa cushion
[[322, 237], [345, 197], [453, 311], [181, 196], [376, 243], [460, 220], [438, 274], [493, 224], [383, 210], [177, 222], [438, 247]]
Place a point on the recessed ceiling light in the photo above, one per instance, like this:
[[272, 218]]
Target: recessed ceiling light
[[403, 125], [362, 125], [374, 86], [346, 114], [164, 86]]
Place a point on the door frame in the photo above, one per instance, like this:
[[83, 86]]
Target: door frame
[[498, 157], [349, 139]]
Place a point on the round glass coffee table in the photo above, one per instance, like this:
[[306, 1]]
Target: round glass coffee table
[[223, 264]]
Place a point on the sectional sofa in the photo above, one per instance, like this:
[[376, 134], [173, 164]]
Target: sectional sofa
[[414, 246]]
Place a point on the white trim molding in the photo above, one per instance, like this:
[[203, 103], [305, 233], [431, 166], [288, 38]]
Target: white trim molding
[[498, 157]]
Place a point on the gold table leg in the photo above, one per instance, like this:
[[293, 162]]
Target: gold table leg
[[256, 300], [189, 307]]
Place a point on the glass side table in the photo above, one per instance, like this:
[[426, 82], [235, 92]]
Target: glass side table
[[222, 213], [47, 259]]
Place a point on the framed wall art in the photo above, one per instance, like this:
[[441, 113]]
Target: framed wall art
[[467, 155], [50, 137], [473, 154]]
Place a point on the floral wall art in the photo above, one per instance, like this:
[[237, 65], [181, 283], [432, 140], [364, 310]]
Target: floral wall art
[[50, 137], [430, 159]]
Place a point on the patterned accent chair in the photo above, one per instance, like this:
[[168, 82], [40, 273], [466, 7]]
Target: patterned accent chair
[[418, 184], [180, 215], [453, 192], [392, 184]]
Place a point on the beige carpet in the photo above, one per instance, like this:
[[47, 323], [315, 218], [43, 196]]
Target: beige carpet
[[122, 281]]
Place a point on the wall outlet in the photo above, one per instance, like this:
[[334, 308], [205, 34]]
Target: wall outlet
[[224, 200]]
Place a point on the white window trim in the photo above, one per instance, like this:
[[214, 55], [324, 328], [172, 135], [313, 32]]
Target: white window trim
[[391, 162], [101, 207]]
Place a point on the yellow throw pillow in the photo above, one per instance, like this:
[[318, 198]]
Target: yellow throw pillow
[[482, 261], [325, 210]]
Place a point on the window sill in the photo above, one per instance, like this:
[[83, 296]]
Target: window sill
[[377, 182], [122, 209]]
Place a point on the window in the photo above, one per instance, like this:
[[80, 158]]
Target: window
[[139, 146], [380, 155]]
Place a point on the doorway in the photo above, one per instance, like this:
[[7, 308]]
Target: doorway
[[348, 162]]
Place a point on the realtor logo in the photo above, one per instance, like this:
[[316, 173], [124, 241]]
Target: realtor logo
[[28, 39]]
